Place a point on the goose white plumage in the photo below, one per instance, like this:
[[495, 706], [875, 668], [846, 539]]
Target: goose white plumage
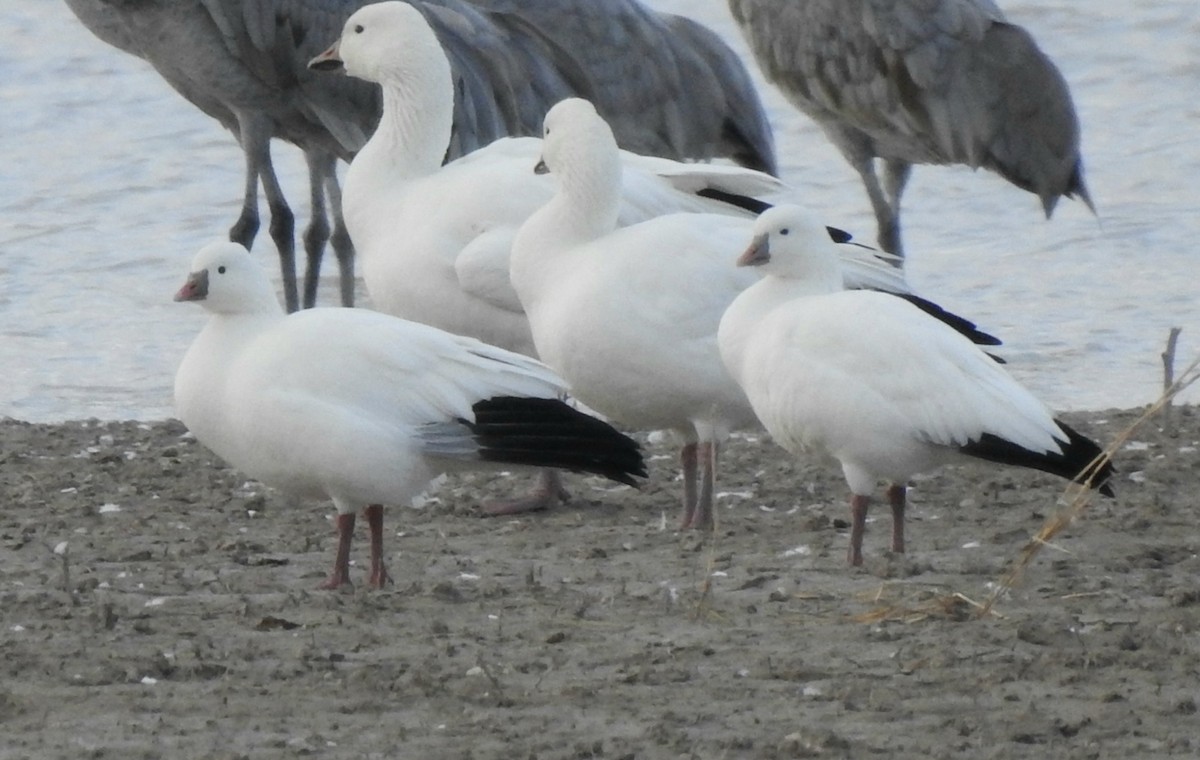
[[629, 315], [433, 240], [875, 381], [364, 408]]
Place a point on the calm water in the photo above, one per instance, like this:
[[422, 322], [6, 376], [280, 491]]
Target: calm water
[[111, 182]]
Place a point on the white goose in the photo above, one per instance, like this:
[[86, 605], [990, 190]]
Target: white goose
[[434, 241], [364, 408], [629, 315], [875, 381]]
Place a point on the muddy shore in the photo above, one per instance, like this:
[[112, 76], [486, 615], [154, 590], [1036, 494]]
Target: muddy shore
[[156, 604]]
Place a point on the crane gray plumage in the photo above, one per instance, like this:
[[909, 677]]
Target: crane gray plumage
[[104, 21], [244, 63], [722, 92], [667, 85], [921, 82]]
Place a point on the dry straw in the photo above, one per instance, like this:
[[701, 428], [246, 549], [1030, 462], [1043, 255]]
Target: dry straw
[[1078, 496], [921, 605]]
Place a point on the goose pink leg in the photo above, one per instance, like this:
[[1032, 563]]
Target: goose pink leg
[[702, 513], [687, 461], [858, 526], [341, 561], [379, 575], [548, 493], [896, 497]]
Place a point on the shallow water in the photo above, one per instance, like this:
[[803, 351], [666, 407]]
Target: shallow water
[[112, 182]]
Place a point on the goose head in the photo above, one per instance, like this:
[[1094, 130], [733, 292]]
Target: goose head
[[224, 279], [790, 242], [386, 43], [579, 148]]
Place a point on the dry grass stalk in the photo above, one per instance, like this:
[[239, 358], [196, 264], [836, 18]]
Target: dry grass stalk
[[913, 609], [1078, 496], [704, 605]]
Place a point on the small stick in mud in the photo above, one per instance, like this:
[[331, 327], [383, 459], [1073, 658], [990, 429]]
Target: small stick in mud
[[1168, 360], [62, 551]]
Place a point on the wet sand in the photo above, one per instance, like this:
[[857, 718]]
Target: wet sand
[[156, 604]]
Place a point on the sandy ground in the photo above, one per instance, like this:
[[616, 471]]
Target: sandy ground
[[156, 605]]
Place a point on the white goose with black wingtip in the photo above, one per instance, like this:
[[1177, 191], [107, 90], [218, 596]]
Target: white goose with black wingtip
[[434, 241], [629, 315], [366, 409], [879, 383]]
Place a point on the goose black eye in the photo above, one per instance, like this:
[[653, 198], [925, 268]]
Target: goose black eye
[[358, 28], [221, 269], [784, 231]]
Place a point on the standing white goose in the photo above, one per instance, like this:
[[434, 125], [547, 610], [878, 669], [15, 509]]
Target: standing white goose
[[434, 241], [629, 315], [875, 381], [364, 408], [921, 82]]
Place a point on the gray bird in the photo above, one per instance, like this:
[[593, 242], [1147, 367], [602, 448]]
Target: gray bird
[[921, 82], [246, 70], [670, 89]]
